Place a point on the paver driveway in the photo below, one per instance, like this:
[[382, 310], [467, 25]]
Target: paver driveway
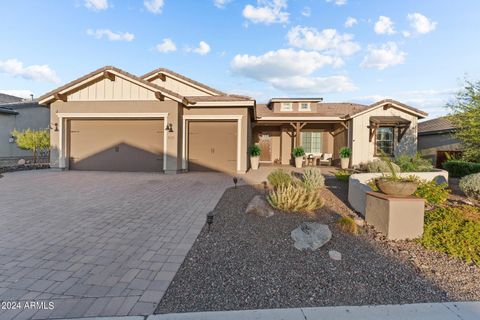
[[97, 243]]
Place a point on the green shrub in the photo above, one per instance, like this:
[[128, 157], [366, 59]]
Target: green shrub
[[313, 179], [347, 224], [343, 175], [380, 166], [278, 178], [345, 152], [298, 152], [413, 164], [372, 183], [470, 185], [458, 169], [432, 192], [455, 231], [295, 198], [254, 150]]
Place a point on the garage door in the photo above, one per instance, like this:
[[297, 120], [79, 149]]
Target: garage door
[[212, 146], [116, 145]]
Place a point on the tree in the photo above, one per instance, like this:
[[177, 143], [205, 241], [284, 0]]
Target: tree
[[33, 140], [465, 117]]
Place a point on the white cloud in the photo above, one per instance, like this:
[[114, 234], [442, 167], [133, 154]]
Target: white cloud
[[15, 68], [420, 23], [267, 12], [96, 5], [381, 57], [350, 22], [221, 3], [406, 34], [328, 40], [25, 94], [202, 49], [314, 85], [339, 2], [306, 12], [154, 6], [167, 45], [110, 35], [384, 25]]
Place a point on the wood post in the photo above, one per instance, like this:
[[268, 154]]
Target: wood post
[[298, 126]]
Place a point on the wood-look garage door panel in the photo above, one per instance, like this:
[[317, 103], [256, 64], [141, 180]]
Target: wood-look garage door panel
[[212, 146], [116, 145]]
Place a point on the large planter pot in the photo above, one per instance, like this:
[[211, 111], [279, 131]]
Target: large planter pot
[[344, 162], [298, 162], [397, 188], [254, 162]]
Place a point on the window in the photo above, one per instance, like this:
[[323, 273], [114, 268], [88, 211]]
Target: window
[[304, 106], [384, 141], [286, 106], [312, 142]]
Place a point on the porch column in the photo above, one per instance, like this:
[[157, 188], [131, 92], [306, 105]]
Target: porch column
[[298, 127]]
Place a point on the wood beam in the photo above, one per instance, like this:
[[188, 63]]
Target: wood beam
[[60, 96], [344, 125], [162, 76], [159, 96], [108, 75], [401, 132], [373, 131]]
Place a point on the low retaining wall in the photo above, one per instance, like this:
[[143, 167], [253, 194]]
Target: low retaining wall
[[24, 167], [358, 188]]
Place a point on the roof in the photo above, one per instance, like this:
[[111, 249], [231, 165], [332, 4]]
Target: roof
[[180, 76], [7, 111], [228, 97], [334, 109], [387, 102], [442, 124], [296, 99], [6, 98], [109, 68]]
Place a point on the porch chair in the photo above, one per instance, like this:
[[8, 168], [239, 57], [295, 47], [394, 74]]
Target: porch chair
[[326, 159]]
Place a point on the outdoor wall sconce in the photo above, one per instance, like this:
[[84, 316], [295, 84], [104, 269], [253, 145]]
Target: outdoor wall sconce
[[54, 127], [169, 127], [235, 180], [209, 219]]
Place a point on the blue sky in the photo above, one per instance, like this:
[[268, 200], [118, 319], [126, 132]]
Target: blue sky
[[418, 51]]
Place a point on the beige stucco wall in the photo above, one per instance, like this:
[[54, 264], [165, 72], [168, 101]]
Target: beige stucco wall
[[363, 149], [179, 87]]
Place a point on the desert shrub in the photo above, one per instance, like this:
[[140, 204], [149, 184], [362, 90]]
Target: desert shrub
[[470, 185], [458, 169], [278, 178], [313, 179], [380, 166], [347, 224], [295, 198], [432, 192], [455, 231], [343, 175], [413, 164]]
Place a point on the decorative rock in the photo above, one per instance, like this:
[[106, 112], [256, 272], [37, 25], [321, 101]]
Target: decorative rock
[[21, 162], [311, 236], [359, 221], [259, 206], [335, 255]]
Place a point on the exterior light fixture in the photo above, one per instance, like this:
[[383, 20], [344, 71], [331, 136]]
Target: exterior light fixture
[[265, 186], [54, 127], [169, 127], [209, 219], [235, 180]]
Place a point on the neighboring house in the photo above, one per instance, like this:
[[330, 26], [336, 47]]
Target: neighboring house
[[163, 121], [436, 139], [18, 114]]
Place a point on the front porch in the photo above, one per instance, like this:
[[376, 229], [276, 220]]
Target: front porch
[[321, 141]]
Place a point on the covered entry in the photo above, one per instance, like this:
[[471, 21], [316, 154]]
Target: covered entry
[[116, 144], [212, 146]]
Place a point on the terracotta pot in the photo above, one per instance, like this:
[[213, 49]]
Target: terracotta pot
[[298, 162], [344, 162], [397, 188], [254, 162]]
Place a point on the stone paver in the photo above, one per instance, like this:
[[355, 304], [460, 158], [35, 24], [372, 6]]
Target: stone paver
[[97, 243]]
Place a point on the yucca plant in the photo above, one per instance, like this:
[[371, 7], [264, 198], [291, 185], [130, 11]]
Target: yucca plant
[[295, 198]]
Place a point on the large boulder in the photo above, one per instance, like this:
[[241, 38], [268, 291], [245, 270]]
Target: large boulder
[[311, 236], [260, 207]]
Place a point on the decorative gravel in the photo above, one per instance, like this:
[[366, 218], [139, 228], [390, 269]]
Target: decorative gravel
[[248, 262]]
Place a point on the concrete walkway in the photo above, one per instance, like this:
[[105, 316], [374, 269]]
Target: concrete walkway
[[423, 311]]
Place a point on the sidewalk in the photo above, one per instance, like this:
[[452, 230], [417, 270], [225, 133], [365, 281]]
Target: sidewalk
[[424, 311]]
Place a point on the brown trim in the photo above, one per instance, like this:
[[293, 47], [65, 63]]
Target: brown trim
[[384, 196], [389, 103], [375, 153], [108, 75]]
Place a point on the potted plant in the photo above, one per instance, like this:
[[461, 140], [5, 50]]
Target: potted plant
[[298, 154], [395, 185], [255, 152], [345, 154]]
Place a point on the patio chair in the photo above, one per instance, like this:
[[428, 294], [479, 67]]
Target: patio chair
[[326, 159]]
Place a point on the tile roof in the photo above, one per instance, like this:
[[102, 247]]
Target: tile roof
[[229, 97], [390, 101], [6, 98], [334, 109], [435, 125], [7, 111]]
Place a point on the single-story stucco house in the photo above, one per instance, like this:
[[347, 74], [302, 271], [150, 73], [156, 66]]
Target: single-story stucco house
[[163, 121], [436, 139], [15, 113]]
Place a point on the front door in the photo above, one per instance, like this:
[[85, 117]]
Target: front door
[[265, 147]]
